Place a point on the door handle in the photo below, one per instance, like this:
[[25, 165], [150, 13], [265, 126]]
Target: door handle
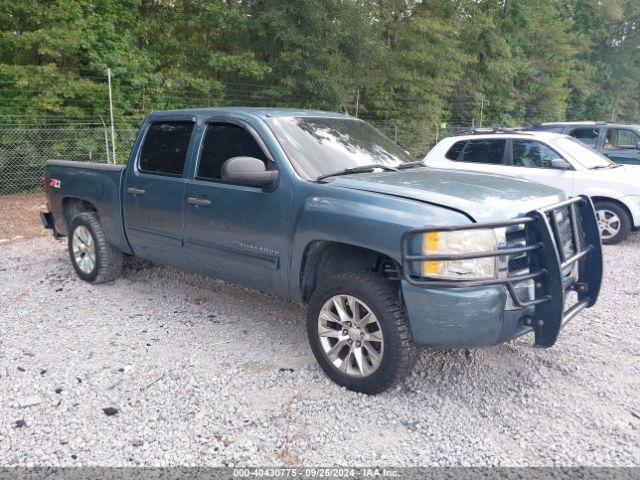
[[136, 191], [198, 202]]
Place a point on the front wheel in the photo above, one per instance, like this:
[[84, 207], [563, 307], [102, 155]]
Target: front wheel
[[359, 332], [94, 260], [613, 221]]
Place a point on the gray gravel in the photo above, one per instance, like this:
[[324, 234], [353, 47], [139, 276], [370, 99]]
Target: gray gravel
[[167, 368]]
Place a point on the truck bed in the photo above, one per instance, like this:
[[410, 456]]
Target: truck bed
[[98, 184], [89, 165]]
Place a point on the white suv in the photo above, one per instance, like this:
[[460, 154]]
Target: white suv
[[556, 160]]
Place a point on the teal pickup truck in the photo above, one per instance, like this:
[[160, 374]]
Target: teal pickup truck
[[323, 209], [621, 143]]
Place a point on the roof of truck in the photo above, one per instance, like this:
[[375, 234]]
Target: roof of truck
[[262, 112]]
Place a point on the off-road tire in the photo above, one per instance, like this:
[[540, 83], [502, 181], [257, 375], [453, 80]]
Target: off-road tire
[[108, 265], [383, 297]]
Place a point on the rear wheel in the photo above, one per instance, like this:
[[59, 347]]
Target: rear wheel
[[94, 260], [613, 222], [359, 332]]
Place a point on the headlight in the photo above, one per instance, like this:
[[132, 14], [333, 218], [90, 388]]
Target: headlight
[[460, 241]]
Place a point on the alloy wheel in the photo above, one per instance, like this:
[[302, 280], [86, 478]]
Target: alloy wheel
[[84, 249], [609, 223], [350, 336]]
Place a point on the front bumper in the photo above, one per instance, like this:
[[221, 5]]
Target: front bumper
[[472, 313], [633, 204], [462, 317]]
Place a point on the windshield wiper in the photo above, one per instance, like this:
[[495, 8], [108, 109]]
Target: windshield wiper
[[359, 169], [417, 163], [611, 165]]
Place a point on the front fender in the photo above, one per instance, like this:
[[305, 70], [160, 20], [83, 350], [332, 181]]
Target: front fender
[[631, 202], [601, 192], [363, 219]]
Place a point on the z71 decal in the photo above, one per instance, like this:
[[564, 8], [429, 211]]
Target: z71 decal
[[55, 183]]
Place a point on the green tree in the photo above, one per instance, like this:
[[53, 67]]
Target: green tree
[[317, 52], [610, 61], [487, 91], [54, 55], [543, 39], [417, 67], [405, 64]]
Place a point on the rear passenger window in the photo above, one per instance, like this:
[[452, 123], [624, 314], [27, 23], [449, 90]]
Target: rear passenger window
[[454, 151], [165, 148], [222, 142], [484, 151]]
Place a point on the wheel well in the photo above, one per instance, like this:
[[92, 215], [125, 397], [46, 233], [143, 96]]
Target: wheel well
[[618, 203], [323, 259], [73, 206]]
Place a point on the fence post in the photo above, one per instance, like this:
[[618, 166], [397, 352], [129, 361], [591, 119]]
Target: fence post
[[106, 139], [613, 112], [113, 130]]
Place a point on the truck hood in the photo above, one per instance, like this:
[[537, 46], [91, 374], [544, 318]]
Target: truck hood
[[483, 197]]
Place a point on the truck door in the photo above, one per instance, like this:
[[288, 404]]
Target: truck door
[[154, 191], [236, 232]]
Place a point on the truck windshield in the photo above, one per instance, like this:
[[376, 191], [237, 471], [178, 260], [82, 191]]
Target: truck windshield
[[320, 145], [586, 156]]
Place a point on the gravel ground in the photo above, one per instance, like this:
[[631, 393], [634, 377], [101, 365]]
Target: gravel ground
[[166, 368], [19, 214]]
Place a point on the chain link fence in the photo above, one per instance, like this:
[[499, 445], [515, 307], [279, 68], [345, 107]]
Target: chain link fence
[[23, 151], [418, 141]]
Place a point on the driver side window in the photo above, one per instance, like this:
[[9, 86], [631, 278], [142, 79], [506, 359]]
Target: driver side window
[[531, 154], [223, 141], [621, 138]]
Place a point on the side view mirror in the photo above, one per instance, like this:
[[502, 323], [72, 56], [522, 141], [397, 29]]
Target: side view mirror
[[560, 164], [248, 171], [638, 146]]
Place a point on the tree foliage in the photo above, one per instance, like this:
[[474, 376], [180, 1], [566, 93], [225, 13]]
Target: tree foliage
[[407, 65]]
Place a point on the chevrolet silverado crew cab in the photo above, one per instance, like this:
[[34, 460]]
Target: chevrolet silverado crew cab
[[323, 209]]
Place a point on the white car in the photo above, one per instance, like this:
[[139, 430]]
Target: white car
[[552, 159]]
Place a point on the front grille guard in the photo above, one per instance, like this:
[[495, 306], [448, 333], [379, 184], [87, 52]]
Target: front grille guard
[[548, 261]]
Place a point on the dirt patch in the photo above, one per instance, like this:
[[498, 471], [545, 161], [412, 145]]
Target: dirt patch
[[19, 217]]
